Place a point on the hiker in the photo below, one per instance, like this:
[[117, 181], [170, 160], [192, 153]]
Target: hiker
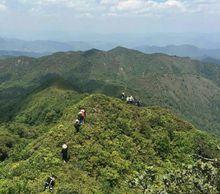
[[135, 101], [77, 125], [50, 183], [128, 99], [122, 96], [131, 100], [64, 152], [138, 103], [83, 112], [82, 116]]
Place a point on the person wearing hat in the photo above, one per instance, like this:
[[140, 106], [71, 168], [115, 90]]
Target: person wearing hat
[[77, 125], [82, 116], [122, 96], [64, 152]]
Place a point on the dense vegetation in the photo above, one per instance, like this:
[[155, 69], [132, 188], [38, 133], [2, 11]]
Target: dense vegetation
[[120, 149], [190, 88]]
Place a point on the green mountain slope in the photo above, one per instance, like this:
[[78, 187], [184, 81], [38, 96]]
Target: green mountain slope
[[36, 115], [47, 106], [189, 87], [120, 149]]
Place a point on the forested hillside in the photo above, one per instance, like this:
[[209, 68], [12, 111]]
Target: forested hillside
[[121, 148], [188, 87]]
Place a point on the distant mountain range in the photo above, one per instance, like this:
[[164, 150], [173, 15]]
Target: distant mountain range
[[38, 48], [6, 54], [189, 87], [182, 51], [41, 46], [120, 148], [46, 46]]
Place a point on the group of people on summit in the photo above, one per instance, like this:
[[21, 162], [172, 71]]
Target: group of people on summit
[[130, 100], [50, 181]]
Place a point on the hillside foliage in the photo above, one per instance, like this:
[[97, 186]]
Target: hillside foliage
[[188, 87], [121, 148]]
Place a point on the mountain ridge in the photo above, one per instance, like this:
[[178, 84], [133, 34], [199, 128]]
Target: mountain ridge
[[184, 50], [157, 79], [117, 144]]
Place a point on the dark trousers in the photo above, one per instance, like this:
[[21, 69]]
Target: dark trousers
[[48, 186]]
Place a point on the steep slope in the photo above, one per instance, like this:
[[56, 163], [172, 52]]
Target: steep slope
[[120, 149], [37, 114], [189, 87], [46, 107]]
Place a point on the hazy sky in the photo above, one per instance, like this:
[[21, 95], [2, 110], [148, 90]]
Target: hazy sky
[[52, 18]]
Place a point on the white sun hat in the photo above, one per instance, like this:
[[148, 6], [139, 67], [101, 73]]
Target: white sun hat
[[64, 146]]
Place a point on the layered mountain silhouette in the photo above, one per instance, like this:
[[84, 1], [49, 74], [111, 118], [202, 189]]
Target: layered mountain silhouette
[[182, 51], [43, 47], [37, 48], [7, 54]]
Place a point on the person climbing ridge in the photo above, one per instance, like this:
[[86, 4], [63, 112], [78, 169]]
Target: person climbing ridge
[[128, 100], [83, 113], [122, 96], [82, 116], [138, 103], [64, 153], [77, 125], [50, 183], [131, 100]]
